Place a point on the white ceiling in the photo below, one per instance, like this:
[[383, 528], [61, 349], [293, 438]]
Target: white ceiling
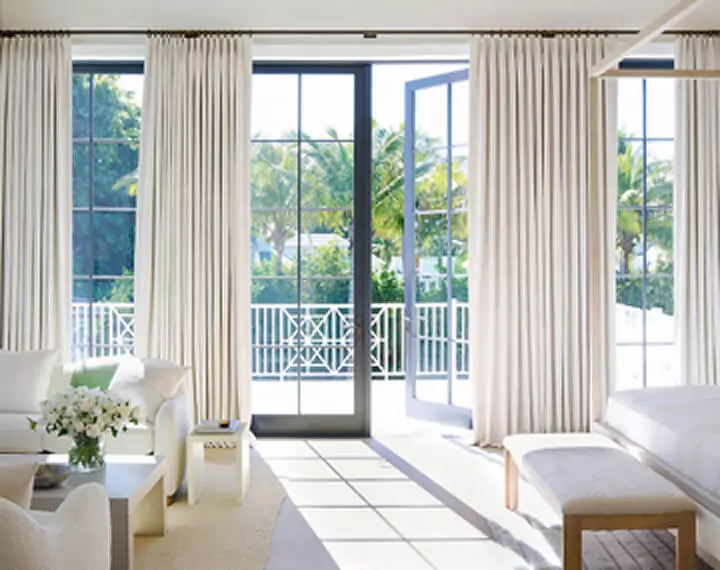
[[364, 14]]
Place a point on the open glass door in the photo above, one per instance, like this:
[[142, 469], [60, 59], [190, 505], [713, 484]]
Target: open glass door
[[435, 249]]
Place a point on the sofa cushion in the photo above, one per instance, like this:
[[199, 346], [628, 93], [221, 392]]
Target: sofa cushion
[[94, 372], [148, 383], [16, 482], [59, 380], [16, 435], [25, 378]]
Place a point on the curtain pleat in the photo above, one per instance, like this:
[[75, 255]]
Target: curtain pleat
[[541, 245], [35, 193], [697, 214], [193, 237]]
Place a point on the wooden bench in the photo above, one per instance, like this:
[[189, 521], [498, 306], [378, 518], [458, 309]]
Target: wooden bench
[[594, 485]]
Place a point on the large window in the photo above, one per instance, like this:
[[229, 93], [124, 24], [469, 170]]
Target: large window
[[644, 247], [106, 131]]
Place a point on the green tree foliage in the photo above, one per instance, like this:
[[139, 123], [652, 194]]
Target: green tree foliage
[[116, 128], [631, 169], [328, 181]]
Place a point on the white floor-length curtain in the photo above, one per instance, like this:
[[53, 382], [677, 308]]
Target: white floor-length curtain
[[35, 193], [697, 211], [193, 236], [541, 245]]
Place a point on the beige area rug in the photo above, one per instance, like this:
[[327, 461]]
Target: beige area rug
[[218, 533]]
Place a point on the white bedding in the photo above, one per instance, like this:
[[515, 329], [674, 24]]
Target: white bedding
[[678, 425]]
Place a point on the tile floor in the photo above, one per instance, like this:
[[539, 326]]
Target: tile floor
[[368, 514], [425, 502]]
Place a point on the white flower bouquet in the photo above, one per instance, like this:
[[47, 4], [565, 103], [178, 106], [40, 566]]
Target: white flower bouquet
[[86, 415]]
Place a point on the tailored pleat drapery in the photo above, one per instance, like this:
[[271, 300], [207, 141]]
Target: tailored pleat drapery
[[697, 214], [541, 240], [193, 236], [35, 193]]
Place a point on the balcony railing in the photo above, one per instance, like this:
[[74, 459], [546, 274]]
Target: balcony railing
[[316, 340]]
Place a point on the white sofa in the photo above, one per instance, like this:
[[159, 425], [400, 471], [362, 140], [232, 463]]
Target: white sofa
[[74, 537], [163, 435]]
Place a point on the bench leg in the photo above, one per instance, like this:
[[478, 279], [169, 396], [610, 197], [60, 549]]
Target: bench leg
[[685, 543], [572, 543], [512, 482]]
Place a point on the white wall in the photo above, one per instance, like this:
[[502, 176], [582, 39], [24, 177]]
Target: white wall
[[344, 13]]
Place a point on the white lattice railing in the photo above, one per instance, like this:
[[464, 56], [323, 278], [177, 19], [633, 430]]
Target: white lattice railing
[[317, 340]]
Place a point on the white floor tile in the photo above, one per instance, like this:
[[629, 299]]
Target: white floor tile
[[470, 555], [395, 494], [366, 469], [376, 556], [322, 494], [302, 469], [285, 449], [334, 448], [437, 523], [343, 524]]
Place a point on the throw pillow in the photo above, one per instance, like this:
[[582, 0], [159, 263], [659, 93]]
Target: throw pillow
[[25, 378], [16, 482], [147, 383]]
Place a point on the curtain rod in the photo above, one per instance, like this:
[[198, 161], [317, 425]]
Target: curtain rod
[[367, 34]]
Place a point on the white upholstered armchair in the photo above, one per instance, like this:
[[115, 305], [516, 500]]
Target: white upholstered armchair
[[74, 537]]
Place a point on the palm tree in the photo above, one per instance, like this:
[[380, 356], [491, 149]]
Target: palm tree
[[630, 201], [274, 194], [330, 178]]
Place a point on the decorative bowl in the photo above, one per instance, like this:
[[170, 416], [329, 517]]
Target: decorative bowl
[[51, 475]]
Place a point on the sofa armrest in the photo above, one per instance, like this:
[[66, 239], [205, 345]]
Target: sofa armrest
[[172, 426]]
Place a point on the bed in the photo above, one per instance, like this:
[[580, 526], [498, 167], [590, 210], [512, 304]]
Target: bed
[[677, 431]]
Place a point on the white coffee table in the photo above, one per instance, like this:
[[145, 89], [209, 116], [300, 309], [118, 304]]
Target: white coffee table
[[135, 485], [196, 459]]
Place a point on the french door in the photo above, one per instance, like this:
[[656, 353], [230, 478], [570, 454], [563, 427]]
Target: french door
[[435, 249], [311, 203]]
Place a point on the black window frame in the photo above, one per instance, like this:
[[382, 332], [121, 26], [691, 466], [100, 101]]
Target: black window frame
[[93, 68]]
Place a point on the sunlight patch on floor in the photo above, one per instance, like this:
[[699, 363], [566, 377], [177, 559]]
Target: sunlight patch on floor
[[372, 516]]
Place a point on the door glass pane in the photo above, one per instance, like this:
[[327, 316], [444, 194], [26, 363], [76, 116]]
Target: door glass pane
[[630, 174], [629, 242], [275, 106], [660, 310], [460, 112], [274, 243], [117, 105], [81, 105], [326, 353], [660, 178], [325, 244], [629, 368], [273, 176], [431, 317], [660, 98], [328, 106], [274, 335], [630, 108], [431, 117], [459, 177], [115, 174], [114, 243], [328, 175], [662, 366], [82, 263], [81, 175], [629, 312]]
